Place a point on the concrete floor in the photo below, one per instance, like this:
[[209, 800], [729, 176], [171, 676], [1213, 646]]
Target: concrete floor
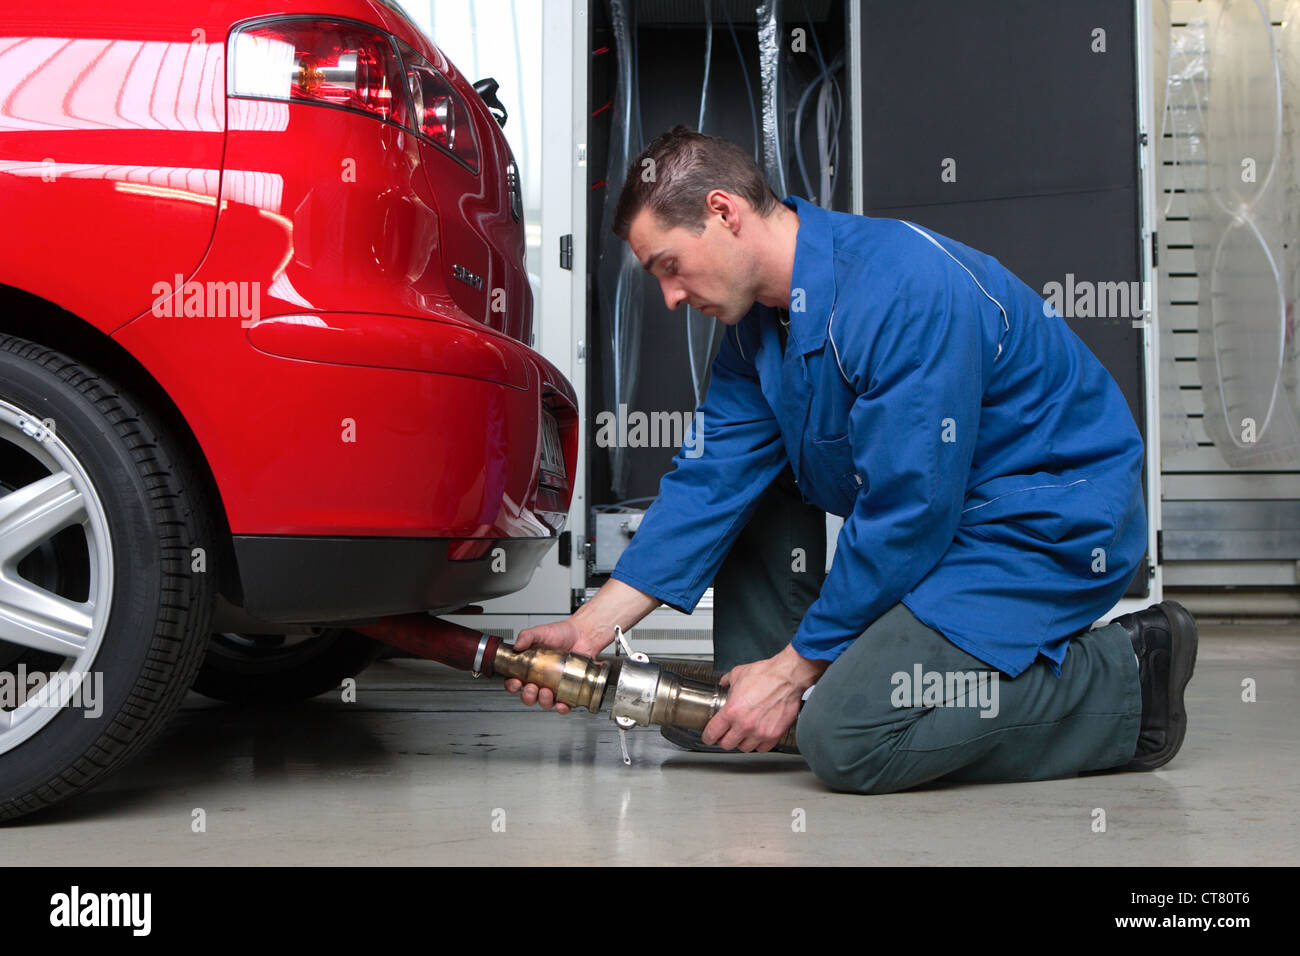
[[431, 767]]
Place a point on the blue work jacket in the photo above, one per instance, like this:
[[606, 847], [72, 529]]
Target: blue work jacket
[[986, 465]]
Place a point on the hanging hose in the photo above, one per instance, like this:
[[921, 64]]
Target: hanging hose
[[749, 90], [698, 355], [708, 63], [621, 278], [828, 122], [827, 150], [769, 61]]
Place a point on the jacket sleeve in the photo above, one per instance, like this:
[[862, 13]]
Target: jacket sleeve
[[915, 360], [706, 500]]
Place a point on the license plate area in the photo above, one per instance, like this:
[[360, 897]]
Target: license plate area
[[552, 464]]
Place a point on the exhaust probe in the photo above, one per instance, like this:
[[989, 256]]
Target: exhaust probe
[[643, 693]]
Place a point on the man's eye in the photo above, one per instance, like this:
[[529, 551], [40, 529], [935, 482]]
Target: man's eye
[[671, 268]]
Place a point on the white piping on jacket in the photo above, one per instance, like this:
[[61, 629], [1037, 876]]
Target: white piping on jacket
[[1019, 490], [1005, 321], [835, 348]]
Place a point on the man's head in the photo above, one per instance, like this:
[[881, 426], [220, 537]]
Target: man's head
[[700, 217]]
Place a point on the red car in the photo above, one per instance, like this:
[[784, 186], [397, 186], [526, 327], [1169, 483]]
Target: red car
[[263, 349]]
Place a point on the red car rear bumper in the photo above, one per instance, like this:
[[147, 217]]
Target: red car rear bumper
[[360, 474]]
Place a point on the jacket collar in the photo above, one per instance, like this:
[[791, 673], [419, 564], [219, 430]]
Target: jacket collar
[[812, 283]]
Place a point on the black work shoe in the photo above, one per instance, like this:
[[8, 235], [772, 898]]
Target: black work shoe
[[1164, 640], [689, 739]]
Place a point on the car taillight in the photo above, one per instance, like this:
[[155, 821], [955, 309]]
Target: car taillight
[[354, 67], [441, 116], [327, 62]]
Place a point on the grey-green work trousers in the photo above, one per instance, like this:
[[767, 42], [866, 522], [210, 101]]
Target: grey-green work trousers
[[903, 705]]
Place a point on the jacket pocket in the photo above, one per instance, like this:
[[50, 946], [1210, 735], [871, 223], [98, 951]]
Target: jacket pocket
[[1041, 507], [834, 456]]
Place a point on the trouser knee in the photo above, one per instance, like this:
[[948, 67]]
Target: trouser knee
[[849, 762]]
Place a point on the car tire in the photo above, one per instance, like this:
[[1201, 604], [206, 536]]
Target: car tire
[[270, 669], [117, 590]]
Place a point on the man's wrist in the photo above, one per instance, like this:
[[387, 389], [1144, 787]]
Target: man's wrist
[[803, 671], [616, 603]]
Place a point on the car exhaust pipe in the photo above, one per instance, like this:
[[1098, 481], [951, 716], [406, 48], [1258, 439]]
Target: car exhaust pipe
[[644, 692]]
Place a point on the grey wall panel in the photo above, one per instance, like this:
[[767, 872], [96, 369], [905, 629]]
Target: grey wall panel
[[1009, 88], [1033, 107], [1231, 530], [1042, 239]]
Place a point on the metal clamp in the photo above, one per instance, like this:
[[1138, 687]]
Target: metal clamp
[[622, 721], [626, 647], [477, 670]]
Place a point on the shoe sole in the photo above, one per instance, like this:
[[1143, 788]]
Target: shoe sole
[[1184, 640], [689, 740], [681, 737]]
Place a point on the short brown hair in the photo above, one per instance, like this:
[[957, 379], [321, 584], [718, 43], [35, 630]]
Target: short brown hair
[[686, 166]]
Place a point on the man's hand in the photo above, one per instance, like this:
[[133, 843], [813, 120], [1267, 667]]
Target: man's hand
[[588, 631], [566, 635], [762, 701]]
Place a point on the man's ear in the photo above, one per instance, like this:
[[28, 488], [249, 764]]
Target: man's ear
[[725, 206]]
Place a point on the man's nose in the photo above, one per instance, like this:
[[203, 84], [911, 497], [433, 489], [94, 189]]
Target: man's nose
[[674, 295]]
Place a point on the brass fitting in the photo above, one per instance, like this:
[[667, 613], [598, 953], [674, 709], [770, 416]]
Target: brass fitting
[[575, 679], [644, 693]]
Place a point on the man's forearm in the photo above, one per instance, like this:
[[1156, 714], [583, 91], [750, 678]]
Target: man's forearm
[[616, 603]]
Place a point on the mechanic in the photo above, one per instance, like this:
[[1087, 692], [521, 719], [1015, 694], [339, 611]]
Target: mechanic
[[987, 467]]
